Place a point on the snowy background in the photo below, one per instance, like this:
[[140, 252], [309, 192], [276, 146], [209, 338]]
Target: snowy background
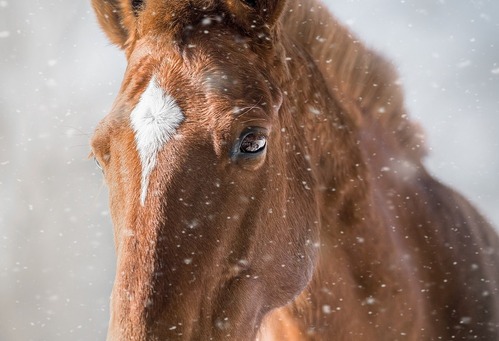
[[59, 76]]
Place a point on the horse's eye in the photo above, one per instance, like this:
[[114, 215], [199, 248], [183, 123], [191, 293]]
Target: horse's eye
[[253, 143], [250, 148]]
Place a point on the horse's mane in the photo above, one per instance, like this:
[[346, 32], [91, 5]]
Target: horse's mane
[[365, 84]]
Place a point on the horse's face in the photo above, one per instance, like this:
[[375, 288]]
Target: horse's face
[[211, 194]]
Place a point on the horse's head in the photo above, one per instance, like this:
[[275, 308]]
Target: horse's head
[[211, 192]]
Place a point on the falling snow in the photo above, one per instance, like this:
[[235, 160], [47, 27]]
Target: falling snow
[[60, 76]]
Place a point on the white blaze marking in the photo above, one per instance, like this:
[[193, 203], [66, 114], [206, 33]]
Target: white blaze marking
[[155, 120]]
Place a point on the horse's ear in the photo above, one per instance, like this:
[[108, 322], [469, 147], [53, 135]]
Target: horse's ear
[[118, 18], [254, 12]]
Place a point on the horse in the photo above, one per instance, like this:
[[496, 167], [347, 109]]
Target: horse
[[266, 183]]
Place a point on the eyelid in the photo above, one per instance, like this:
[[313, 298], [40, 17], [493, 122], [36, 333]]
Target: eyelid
[[252, 116], [253, 130]]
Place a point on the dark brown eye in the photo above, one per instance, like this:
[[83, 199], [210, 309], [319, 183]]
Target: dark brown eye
[[253, 143]]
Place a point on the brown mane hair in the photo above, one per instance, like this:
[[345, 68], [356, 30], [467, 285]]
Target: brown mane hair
[[365, 84]]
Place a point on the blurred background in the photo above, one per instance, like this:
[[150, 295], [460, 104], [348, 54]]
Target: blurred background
[[59, 76]]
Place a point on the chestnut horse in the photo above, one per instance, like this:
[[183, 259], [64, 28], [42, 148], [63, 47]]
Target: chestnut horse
[[266, 183]]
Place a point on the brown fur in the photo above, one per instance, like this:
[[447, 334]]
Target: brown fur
[[336, 233]]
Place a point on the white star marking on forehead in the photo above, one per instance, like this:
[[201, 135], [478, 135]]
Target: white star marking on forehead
[[155, 120]]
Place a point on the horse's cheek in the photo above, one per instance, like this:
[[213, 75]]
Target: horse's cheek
[[294, 265]]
